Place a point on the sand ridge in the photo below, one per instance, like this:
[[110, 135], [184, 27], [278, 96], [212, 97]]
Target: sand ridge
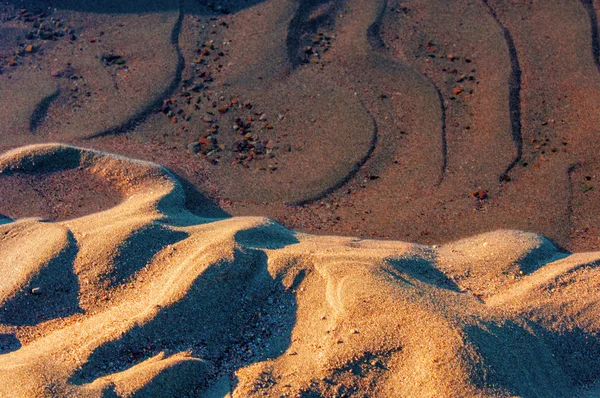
[[149, 298]]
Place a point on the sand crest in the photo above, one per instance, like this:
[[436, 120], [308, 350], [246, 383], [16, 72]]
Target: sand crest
[[146, 298]]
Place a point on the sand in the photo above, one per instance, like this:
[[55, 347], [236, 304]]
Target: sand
[[147, 297], [388, 198], [358, 108]]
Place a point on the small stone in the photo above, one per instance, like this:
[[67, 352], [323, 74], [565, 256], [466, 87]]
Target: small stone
[[194, 147], [29, 49], [223, 108], [46, 35], [353, 331], [36, 291], [292, 353], [457, 90], [481, 194]]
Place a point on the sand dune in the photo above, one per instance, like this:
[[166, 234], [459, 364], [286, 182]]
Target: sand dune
[[148, 298]]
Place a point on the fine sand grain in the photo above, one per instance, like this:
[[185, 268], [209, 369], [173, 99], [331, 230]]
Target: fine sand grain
[[133, 294]]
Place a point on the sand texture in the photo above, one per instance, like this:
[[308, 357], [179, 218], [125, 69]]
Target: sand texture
[[459, 117], [139, 296]]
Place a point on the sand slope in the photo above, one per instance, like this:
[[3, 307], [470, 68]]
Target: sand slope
[[147, 298]]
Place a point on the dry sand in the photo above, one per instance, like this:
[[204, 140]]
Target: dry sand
[[459, 117], [146, 297], [450, 124]]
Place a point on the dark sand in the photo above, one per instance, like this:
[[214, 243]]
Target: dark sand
[[357, 108], [369, 107]]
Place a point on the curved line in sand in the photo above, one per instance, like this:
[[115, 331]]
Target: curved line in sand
[[353, 171], [514, 94], [591, 10], [41, 110], [378, 45], [154, 104]]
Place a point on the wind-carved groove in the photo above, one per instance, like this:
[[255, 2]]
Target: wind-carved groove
[[378, 45], [570, 210], [444, 140], [374, 30], [41, 111], [156, 103], [355, 169], [299, 26], [591, 10], [514, 94]]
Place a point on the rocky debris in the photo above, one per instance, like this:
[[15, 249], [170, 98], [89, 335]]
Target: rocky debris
[[41, 27], [480, 194], [319, 45], [252, 135]]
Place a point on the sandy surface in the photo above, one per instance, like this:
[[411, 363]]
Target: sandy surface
[[459, 117], [147, 297], [449, 124]]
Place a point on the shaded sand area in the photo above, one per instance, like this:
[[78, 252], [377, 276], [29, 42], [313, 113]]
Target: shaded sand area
[[140, 295], [457, 116]]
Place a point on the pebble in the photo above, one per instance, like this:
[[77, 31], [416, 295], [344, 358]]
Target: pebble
[[37, 291], [194, 147], [481, 194]]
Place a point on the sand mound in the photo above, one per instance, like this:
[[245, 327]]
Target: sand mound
[[146, 298]]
